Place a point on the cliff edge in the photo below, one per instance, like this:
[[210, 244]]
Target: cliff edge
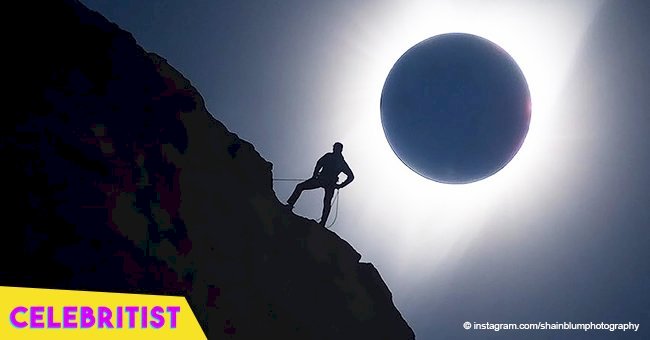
[[122, 181]]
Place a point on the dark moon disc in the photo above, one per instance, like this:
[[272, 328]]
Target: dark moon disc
[[455, 108]]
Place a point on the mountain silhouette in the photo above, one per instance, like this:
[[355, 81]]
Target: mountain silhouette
[[118, 179]]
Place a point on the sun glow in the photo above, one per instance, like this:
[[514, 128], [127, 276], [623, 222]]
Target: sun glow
[[541, 37]]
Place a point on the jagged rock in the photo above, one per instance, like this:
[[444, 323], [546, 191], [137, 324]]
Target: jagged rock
[[122, 181]]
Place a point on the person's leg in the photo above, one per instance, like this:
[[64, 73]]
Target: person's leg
[[309, 184], [327, 204]]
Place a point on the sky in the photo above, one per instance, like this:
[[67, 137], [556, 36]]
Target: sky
[[561, 234]]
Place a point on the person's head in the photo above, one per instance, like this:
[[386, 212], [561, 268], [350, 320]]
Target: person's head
[[338, 147]]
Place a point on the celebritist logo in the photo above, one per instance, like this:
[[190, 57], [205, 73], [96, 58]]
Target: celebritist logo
[[28, 313], [88, 317]]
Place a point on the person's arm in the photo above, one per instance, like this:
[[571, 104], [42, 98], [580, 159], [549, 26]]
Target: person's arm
[[350, 177], [319, 165]]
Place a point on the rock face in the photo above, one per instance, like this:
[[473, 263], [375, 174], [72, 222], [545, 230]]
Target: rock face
[[118, 179]]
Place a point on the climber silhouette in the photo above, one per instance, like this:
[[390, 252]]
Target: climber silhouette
[[326, 176]]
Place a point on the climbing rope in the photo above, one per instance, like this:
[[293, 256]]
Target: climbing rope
[[289, 179], [336, 197], [336, 211]]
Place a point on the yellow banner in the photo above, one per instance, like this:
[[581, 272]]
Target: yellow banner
[[29, 313]]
